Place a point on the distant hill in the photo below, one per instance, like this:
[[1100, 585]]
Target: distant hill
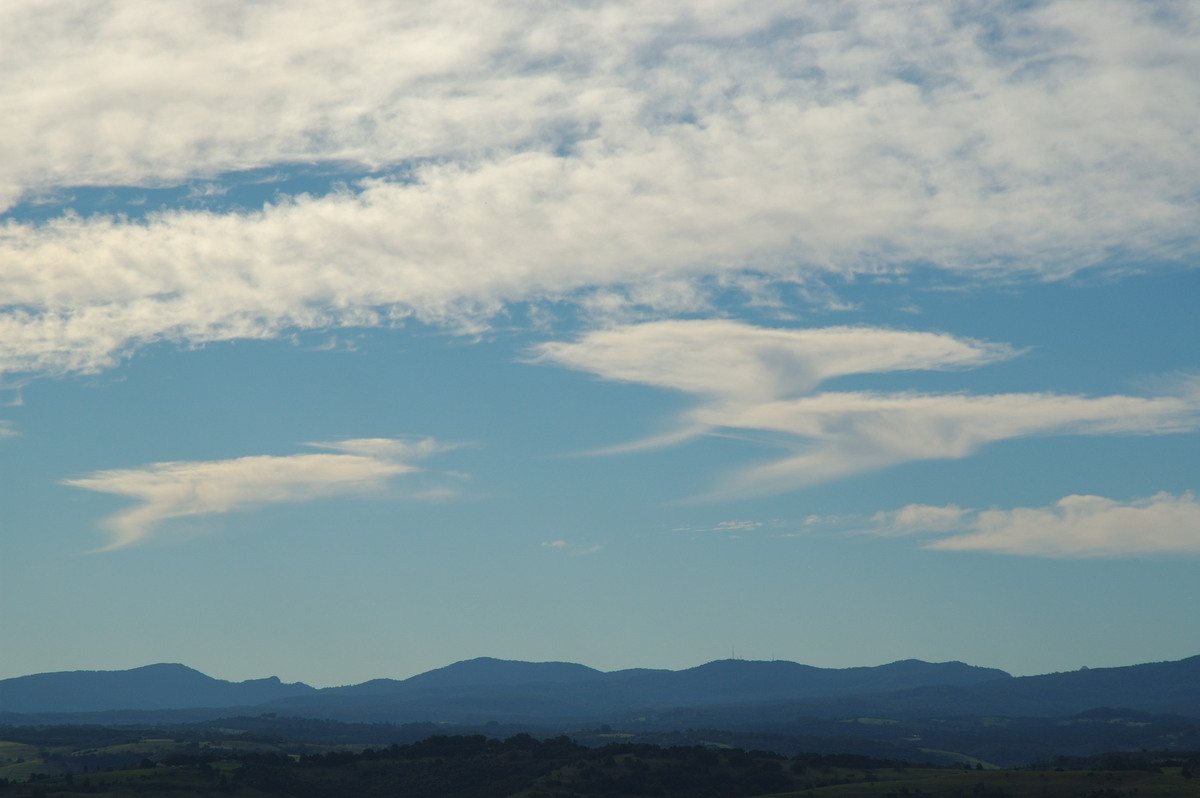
[[721, 694], [163, 686], [478, 689], [1157, 687], [910, 709], [725, 681], [476, 673]]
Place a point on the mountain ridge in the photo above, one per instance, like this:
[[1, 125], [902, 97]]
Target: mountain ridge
[[176, 686], [728, 691], [150, 687]]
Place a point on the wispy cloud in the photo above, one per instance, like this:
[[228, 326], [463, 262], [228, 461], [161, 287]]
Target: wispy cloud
[[193, 488], [207, 191], [835, 435], [395, 449], [919, 518], [605, 154], [739, 363], [729, 527], [571, 549], [1074, 526], [764, 380]]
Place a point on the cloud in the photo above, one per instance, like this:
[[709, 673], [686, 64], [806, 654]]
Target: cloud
[[733, 527], [738, 526], [752, 379], [738, 362], [571, 549], [606, 154], [387, 448], [1074, 526], [919, 518], [836, 435], [193, 488], [6, 430]]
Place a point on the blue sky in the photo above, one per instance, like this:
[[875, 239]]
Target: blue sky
[[345, 344]]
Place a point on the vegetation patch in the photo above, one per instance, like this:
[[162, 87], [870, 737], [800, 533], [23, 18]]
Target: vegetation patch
[[203, 762]]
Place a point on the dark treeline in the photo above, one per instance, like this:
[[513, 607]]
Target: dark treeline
[[443, 766], [479, 766], [1188, 761], [476, 765]]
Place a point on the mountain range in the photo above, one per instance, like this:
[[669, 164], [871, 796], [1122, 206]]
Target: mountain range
[[485, 689], [537, 689]]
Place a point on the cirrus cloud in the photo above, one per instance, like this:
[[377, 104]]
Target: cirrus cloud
[[193, 488], [571, 549], [752, 379], [738, 362], [836, 435], [1073, 527]]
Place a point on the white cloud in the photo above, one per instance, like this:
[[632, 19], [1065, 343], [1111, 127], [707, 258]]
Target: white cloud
[[734, 527], [570, 549], [738, 526], [753, 379], [839, 434], [919, 518], [1074, 526], [192, 488], [739, 363], [608, 153], [403, 449]]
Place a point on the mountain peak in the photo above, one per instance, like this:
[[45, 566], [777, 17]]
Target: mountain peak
[[163, 685], [494, 672]]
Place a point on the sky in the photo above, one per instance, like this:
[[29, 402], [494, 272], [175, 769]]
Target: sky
[[341, 342]]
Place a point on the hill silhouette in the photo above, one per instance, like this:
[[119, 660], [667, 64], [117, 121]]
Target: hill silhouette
[[723, 693], [161, 686], [473, 689], [1156, 687]]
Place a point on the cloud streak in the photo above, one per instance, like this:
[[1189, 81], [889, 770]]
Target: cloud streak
[[1073, 527], [181, 489], [837, 435], [610, 153], [571, 549], [740, 363], [752, 379]]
